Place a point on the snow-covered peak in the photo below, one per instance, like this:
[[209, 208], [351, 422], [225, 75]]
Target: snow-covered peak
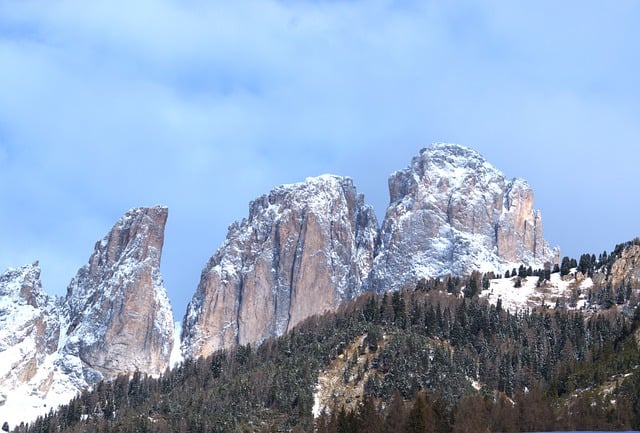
[[23, 286], [454, 154], [116, 318], [315, 194], [137, 237], [21, 301], [452, 158], [445, 168], [451, 211], [318, 181], [29, 329]]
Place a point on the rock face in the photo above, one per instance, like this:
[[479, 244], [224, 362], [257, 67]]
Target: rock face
[[626, 268], [119, 316], [304, 249], [115, 318], [29, 326], [453, 212]]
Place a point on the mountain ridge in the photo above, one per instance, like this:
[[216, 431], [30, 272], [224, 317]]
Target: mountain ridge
[[450, 212], [365, 367], [304, 249]]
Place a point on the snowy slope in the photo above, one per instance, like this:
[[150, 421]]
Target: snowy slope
[[31, 380], [567, 292]]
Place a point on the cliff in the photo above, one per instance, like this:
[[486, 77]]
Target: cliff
[[119, 317], [304, 249], [452, 212]]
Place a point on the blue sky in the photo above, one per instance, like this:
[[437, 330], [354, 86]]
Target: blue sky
[[203, 106]]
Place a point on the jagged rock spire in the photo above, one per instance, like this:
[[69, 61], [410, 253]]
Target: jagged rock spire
[[119, 316]]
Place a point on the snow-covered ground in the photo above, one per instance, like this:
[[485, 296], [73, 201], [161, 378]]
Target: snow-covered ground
[[528, 295], [25, 403]]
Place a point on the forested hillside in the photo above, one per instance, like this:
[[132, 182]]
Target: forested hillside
[[424, 360]]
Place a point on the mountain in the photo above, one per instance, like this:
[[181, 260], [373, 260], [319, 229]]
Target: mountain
[[308, 247], [118, 313], [625, 265], [115, 318], [29, 329], [452, 212], [304, 249], [311, 265]]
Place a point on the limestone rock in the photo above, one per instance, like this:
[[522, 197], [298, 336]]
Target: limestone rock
[[303, 250], [119, 317], [115, 318], [453, 212], [29, 326], [626, 268]]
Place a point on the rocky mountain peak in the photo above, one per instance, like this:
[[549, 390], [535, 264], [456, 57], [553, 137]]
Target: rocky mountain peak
[[451, 211], [137, 237], [119, 314], [304, 249], [446, 166], [23, 285], [115, 318], [29, 328]]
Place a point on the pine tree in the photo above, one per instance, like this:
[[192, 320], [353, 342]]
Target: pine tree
[[420, 418], [346, 422], [369, 420], [394, 422], [565, 266], [472, 416], [472, 287]]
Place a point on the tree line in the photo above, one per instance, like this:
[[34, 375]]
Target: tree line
[[443, 362]]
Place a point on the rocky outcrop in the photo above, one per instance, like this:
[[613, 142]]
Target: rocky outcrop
[[453, 212], [119, 317], [303, 250], [625, 271], [116, 318], [29, 326], [518, 236]]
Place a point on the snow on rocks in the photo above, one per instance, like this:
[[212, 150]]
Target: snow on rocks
[[453, 212], [304, 249], [115, 318]]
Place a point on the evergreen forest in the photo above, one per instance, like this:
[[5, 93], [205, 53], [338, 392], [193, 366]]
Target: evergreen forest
[[422, 359]]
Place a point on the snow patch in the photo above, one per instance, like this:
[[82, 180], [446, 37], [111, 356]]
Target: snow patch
[[528, 296]]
